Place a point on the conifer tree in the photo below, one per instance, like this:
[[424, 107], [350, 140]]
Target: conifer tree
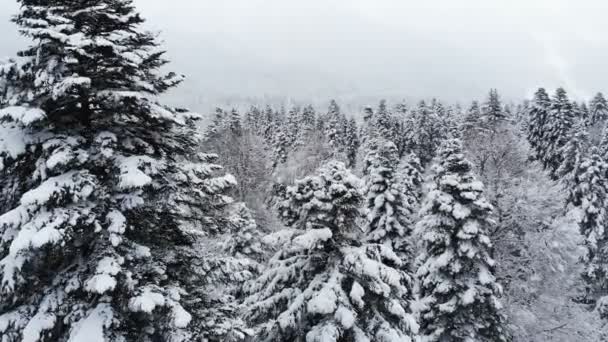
[[382, 122], [307, 121], [102, 233], [572, 153], [387, 215], [253, 121], [324, 284], [472, 121], [588, 192], [492, 111], [557, 130], [427, 132], [333, 125], [458, 289], [598, 111], [411, 172], [235, 123], [352, 143], [538, 115]]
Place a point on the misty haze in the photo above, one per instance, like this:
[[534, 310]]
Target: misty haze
[[303, 171]]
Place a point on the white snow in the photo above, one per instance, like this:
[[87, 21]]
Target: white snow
[[345, 317], [24, 115], [324, 302], [312, 238], [147, 301], [91, 328], [356, 294]]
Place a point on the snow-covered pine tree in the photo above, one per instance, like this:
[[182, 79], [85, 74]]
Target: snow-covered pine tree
[[253, 121], [235, 123], [598, 111], [333, 131], [538, 115], [325, 285], [280, 145], [572, 154], [293, 125], [307, 124], [352, 143], [218, 124], [411, 174], [427, 132], [458, 290], [588, 193], [597, 118], [557, 130], [492, 113], [472, 123], [386, 206], [382, 123], [108, 193]]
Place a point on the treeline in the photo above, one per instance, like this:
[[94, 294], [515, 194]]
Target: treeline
[[545, 142]]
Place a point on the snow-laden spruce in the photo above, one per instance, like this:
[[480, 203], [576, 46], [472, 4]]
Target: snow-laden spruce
[[324, 284], [388, 217], [458, 291], [588, 195], [100, 225]]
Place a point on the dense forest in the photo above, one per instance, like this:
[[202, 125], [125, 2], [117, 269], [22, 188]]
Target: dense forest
[[122, 219]]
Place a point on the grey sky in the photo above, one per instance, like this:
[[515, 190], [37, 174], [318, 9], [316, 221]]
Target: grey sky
[[454, 50]]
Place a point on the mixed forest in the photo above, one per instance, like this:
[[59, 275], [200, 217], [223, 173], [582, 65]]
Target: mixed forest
[[123, 219]]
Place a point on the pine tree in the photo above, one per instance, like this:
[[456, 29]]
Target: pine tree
[[588, 193], [598, 110], [538, 115], [411, 172], [557, 130], [472, 123], [352, 143], [572, 153], [324, 285], [253, 121], [427, 132], [293, 125], [492, 111], [105, 213], [457, 287], [382, 122], [333, 125], [307, 123], [387, 215], [281, 144], [235, 123]]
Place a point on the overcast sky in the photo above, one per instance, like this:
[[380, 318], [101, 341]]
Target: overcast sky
[[454, 50]]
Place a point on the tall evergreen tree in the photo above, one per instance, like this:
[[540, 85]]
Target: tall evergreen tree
[[102, 236], [235, 125], [411, 172], [457, 286], [572, 153], [427, 132], [588, 192], [598, 111], [538, 115], [324, 285], [382, 122], [492, 111], [472, 121], [352, 143], [557, 130], [387, 215]]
